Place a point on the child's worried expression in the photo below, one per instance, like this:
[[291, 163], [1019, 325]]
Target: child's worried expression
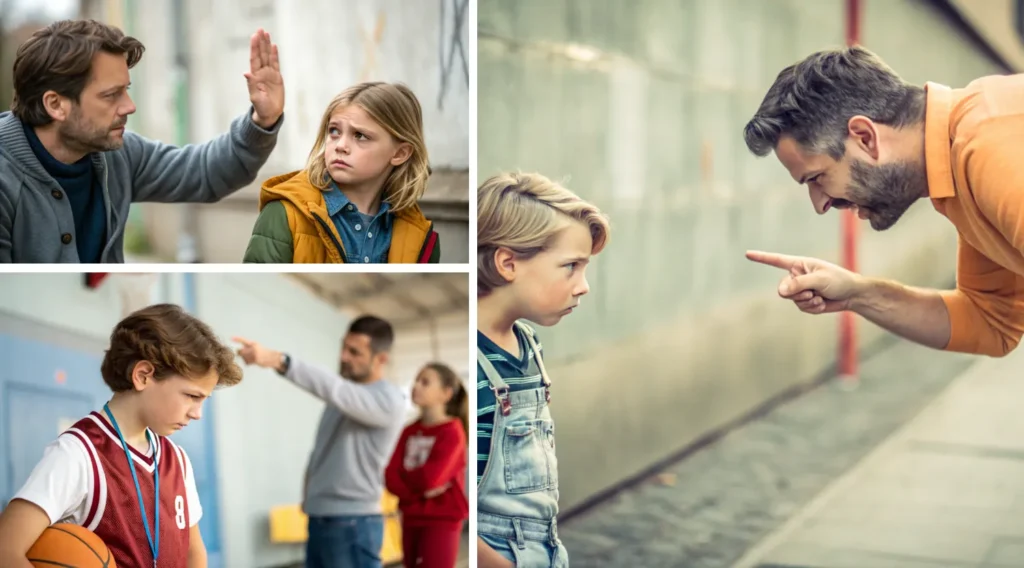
[[359, 150], [169, 404], [550, 284]]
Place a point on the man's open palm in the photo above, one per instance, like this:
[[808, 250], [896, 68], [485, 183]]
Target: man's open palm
[[815, 286], [266, 87]]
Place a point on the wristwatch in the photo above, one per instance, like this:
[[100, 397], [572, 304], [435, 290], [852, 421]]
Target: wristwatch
[[286, 363]]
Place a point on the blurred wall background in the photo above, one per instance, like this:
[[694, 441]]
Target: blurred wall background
[[251, 448], [188, 87], [640, 107]]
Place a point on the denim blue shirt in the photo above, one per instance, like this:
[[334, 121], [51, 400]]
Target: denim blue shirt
[[366, 238]]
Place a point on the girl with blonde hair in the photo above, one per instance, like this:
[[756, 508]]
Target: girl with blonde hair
[[357, 198]]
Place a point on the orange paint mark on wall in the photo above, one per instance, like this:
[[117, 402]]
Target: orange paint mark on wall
[[707, 164]]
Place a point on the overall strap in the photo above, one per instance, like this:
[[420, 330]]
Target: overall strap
[[497, 384], [528, 332], [493, 377]]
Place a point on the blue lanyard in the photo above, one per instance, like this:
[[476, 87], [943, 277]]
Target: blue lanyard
[[154, 544]]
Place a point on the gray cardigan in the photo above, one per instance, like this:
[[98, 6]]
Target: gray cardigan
[[36, 223]]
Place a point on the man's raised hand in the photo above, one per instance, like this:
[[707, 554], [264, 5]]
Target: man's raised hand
[[266, 87]]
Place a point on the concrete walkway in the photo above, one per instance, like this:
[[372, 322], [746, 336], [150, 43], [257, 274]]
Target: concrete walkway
[[946, 489], [708, 510]]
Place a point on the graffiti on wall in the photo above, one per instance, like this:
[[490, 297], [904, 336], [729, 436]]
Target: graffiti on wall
[[453, 57]]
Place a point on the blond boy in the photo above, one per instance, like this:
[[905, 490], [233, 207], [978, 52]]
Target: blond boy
[[534, 242]]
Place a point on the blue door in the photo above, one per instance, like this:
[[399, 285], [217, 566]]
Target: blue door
[[45, 388], [35, 417]]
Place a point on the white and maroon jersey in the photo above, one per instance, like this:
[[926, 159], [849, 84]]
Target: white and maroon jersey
[[83, 478]]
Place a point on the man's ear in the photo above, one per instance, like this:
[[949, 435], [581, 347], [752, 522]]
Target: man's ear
[[864, 133], [58, 107]]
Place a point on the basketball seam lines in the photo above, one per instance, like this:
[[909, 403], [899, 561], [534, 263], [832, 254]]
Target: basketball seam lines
[[80, 540], [53, 563]]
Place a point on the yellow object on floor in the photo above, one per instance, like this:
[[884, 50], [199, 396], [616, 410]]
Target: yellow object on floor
[[288, 525]]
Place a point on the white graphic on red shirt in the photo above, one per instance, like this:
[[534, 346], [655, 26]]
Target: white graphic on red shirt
[[417, 450]]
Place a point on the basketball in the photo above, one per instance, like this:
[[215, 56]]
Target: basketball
[[72, 546]]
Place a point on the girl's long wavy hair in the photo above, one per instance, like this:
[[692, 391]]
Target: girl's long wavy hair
[[396, 109]]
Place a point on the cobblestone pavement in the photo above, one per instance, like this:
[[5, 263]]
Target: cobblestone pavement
[[708, 509]]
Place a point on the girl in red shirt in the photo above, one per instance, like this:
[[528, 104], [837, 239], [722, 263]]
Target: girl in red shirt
[[428, 470]]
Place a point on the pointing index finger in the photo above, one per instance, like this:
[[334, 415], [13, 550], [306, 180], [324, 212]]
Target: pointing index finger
[[245, 342], [782, 261]]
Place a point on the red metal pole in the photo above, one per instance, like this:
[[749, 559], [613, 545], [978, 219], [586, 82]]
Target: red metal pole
[[849, 226]]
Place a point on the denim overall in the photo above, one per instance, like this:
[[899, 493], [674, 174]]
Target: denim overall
[[517, 497]]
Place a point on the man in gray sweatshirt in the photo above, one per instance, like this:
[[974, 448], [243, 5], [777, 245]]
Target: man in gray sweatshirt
[[68, 169], [358, 431]]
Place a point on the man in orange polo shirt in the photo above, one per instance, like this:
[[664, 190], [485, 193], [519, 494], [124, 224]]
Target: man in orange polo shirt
[[860, 137]]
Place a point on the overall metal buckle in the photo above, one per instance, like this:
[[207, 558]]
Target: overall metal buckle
[[501, 394]]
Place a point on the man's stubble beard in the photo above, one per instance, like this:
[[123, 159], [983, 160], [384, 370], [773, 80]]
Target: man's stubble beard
[[886, 190], [78, 135]]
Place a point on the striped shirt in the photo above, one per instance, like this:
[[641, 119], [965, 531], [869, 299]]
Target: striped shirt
[[520, 373]]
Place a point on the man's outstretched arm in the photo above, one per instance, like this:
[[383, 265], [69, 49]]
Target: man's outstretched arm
[[371, 407], [210, 171], [984, 315]]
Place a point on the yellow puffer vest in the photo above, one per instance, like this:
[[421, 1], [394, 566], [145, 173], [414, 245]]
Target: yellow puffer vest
[[315, 239]]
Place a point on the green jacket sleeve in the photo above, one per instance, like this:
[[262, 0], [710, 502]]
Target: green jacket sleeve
[[271, 241]]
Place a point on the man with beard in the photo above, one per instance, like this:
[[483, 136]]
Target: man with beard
[[860, 137], [358, 430], [68, 169]]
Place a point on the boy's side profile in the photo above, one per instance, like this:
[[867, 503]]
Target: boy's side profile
[[357, 199], [105, 471], [534, 241]]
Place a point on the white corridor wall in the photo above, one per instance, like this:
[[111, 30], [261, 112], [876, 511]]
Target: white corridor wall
[[265, 426]]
